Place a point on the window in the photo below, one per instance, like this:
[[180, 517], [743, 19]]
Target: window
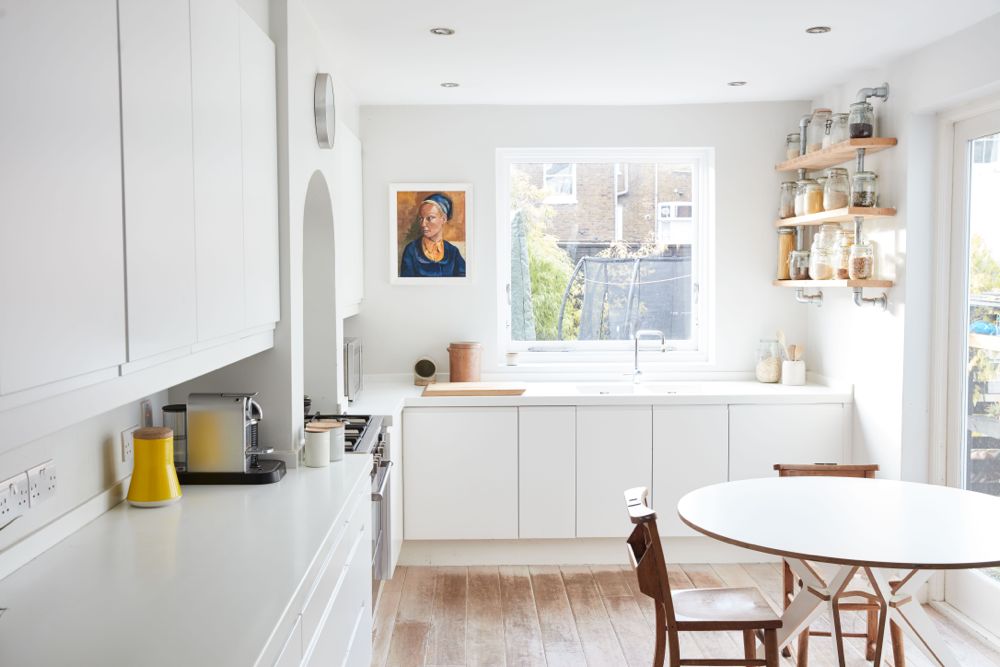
[[601, 243], [559, 183]]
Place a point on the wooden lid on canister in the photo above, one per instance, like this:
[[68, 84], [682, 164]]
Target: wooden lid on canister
[[464, 345], [153, 433], [326, 424]]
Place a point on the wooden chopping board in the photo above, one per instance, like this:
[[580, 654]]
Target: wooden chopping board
[[474, 389]]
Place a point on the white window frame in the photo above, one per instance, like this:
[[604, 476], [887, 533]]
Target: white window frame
[[560, 198], [697, 353]]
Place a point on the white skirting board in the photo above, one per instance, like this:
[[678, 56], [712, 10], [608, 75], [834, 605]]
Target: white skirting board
[[602, 551]]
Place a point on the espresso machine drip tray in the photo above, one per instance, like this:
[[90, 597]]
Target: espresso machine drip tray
[[266, 472]]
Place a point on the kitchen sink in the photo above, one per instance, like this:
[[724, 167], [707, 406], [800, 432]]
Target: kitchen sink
[[607, 389], [630, 389]]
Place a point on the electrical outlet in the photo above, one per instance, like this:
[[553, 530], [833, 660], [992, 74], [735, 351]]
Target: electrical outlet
[[128, 445], [41, 482], [15, 490]]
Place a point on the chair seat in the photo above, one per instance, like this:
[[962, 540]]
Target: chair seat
[[723, 609]]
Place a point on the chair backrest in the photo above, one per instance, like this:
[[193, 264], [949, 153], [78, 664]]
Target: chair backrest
[[866, 470], [645, 552]]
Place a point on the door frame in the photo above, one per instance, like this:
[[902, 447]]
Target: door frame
[[955, 129]]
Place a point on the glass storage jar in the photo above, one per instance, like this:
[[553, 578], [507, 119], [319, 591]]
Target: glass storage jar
[[836, 189], [820, 263], [816, 130], [798, 265], [792, 143], [786, 203], [864, 189], [841, 257], [786, 243], [861, 121], [768, 367], [839, 128], [862, 261], [826, 236], [808, 197]]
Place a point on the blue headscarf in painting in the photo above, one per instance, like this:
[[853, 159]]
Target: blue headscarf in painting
[[443, 202]]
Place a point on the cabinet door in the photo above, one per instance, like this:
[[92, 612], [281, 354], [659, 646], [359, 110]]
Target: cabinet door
[[218, 168], [159, 175], [614, 452], [62, 288], [690, 450], [460, 479], [762, 435], [260, 174], [291, 653], [546, 472], [348, 220]]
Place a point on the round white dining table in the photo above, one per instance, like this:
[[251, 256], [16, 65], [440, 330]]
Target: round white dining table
[[871, 525]]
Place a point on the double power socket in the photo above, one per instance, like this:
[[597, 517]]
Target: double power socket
[[25, 490]]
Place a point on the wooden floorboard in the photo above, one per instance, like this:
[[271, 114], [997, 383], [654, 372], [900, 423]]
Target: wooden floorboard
[[580, 616]]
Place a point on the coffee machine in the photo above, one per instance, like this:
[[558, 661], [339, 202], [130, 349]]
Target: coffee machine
[[222, 441]]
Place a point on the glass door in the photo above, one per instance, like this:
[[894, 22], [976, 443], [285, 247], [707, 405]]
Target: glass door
[[974, 366]]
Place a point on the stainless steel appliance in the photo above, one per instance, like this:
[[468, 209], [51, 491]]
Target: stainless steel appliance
[[368, 435], [353, 377], [222, 441]]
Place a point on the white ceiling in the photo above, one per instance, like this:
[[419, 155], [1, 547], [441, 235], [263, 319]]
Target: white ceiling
[[623, 51]]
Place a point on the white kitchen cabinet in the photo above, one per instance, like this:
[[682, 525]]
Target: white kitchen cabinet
[[260, 174], [762, 435], [614, 450], [460, 480], [62, 295], [690, 450], [348, 221], [547, 472], [158, 175], [291, 652], [218, 168]]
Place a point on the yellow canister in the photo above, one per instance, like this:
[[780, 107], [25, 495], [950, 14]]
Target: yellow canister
[[154, 478]]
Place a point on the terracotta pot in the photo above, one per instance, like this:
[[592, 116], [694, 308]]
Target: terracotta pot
[[464, 361]]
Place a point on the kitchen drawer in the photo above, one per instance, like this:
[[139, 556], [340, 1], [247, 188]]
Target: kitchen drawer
[[331, 574], [336, 625], [291, 652], [359, 652]]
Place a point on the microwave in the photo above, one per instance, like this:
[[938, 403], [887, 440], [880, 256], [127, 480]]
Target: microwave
[[353, 377]]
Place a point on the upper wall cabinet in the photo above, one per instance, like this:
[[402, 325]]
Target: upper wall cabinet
[[348, 221], [260, 174], [159, 177], [61, 262], [218, 167]]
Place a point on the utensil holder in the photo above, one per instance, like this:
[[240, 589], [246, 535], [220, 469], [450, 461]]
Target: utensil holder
[[793, 373]]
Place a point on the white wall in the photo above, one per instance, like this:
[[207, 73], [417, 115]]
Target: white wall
[[278, 373], [400, 323], [888, 355]]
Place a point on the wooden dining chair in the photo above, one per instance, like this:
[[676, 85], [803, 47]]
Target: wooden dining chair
[[695, 610], [869, 603]]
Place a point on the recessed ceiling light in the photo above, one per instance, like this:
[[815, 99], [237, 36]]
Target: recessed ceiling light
[[442, 31], [449, 84], [736, 84], [818, 29]]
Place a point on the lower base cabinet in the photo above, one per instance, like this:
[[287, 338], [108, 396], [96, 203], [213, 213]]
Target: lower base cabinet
[[762, 435], [546, 476]]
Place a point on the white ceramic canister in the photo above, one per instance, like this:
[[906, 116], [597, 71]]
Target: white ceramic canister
[[793, 372], [336, 438], [317, 449]]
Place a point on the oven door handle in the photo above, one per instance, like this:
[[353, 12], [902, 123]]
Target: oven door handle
[[380, 494]]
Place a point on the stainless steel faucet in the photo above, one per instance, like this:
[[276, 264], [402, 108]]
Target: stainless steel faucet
[[642, 333]]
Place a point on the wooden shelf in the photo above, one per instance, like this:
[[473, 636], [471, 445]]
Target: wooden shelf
[[819, 284], [840, 153], [836, 215], [984, 342]]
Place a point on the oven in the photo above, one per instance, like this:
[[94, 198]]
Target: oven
[[381, 507]]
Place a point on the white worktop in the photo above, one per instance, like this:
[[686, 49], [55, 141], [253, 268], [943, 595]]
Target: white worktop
[[201, 582], [386, 395]]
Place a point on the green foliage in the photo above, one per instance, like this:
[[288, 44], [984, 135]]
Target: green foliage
[[984, 276], [984, 270], [550, 267]]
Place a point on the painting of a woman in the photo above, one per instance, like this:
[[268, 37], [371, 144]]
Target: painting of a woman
[[429, 232], [430, 256]]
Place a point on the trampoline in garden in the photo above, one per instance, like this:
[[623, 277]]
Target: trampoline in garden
[[623, 295]]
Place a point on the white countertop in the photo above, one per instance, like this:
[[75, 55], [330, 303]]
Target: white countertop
[[201, 582], [386, 395]]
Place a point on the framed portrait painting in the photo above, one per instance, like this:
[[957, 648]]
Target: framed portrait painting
[[430, 233]]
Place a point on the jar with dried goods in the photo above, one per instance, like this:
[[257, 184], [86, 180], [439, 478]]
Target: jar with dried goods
[[768, 367], [817, 130], [798, 265], [841, 254], [839, 128], [808, 197], [836, 189], [792, 143], [864, 189], [786, 205], [862, 120], [786, 243], [820, 263], [862, 261]]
